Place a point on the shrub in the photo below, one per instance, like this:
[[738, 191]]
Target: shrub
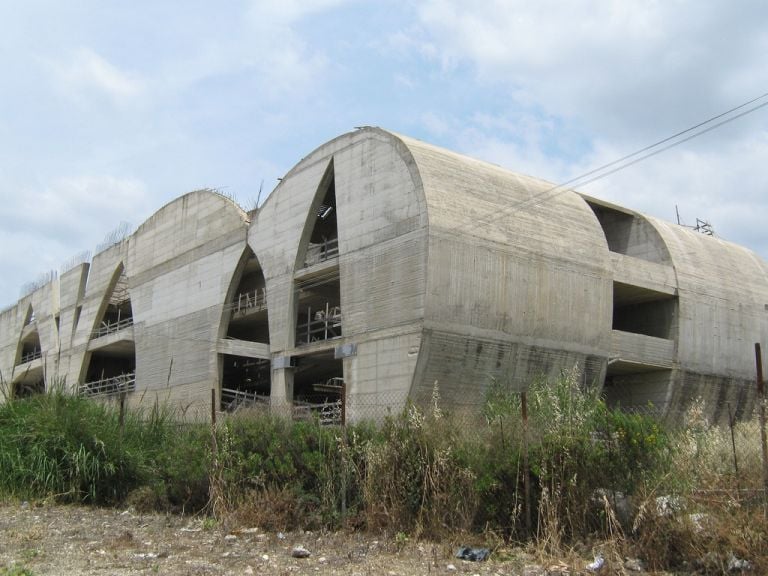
[[414, 481]]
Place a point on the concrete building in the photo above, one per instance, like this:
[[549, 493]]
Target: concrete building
[[381, 265]]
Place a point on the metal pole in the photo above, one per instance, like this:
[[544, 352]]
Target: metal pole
[[733, 444], [526, 473], [343, 403], [214, 447], [761, 402]]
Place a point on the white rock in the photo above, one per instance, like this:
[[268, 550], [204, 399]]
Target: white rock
[[300, 552]]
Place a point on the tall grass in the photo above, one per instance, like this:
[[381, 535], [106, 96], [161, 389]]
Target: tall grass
[[71, 449], [594, 473]]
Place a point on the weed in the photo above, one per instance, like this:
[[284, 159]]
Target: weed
[[15, 570]]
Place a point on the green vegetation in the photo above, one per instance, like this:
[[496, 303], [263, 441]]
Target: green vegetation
[[15, 570], [593, 474]]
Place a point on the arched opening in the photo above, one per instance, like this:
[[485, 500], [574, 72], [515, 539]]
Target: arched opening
[[29, 344], [245, 369], [111, 358], [246, 315], [320, 241], [117, 313], [317, 288]]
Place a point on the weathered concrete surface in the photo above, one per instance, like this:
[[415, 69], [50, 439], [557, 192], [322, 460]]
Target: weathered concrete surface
[[419, 266]]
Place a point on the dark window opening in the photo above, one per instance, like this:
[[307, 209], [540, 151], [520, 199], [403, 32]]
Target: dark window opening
[[76, 319], [30, 348], [630, 235], [25, 389], [111, 370], [118, 313], [30, 317], [249, 318], [245, 382], [318, 388], [319, 315], [323, 241], [642, 311], [631, 387]]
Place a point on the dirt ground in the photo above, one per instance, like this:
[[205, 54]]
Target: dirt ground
[[67, 540]]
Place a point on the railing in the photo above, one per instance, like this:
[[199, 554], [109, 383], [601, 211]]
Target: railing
[[232, 400], [110, 327], [326, 413], [317, 253], [33, 355], [109, 386], [323, 325], [249, 301]]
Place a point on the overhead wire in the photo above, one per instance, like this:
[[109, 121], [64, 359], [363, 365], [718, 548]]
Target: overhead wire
[[636, 157]]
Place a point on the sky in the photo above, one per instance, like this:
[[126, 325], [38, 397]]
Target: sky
[[111, 109]]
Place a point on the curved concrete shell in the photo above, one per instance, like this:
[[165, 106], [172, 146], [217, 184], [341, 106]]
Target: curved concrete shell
[[381, 267]]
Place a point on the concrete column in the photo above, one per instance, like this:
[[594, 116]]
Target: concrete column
[[281, 393]]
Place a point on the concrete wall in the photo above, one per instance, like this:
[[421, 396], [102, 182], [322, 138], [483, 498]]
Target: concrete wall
[[519, 281], [381, 263], [449, 270]]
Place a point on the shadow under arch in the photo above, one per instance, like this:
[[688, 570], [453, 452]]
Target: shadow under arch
[[243, 362], [109, 365]]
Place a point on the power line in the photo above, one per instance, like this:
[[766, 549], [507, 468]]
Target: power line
[[638, 156]]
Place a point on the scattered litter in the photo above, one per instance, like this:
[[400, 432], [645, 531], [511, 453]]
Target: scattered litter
[[473, 554], [321, 559], [265, 557], [146, 556], [230, 538], [450, 567], [597, 564], [300, 552], [737, 564], [668, 505], [634, 565], [698, 520], [280, 536]]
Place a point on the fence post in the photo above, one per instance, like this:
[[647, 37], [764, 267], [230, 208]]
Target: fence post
[[121, 418], [343, 403], [214, 446], [526, 472], [731, 422], [761, 403]]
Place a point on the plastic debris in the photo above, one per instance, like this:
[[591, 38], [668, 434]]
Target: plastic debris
[[737, 564], [473, 554], [633, 565], [597, 564], [667, 506]]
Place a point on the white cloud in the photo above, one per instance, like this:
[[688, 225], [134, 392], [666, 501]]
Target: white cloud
[[85, 71], [289, 11], [611, 65], [45, 227], [590, 82], [724, 185]]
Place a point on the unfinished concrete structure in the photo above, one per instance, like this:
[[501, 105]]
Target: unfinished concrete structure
[[381, 265]]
